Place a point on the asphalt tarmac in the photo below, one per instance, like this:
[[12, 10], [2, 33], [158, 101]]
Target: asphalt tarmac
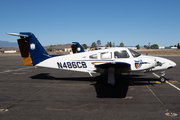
[[29, 93]]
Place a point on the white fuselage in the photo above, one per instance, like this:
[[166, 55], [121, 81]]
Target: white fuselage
[[86, 61]]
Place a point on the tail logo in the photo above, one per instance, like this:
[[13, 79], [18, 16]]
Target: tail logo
[[32, 46], [78, 49]]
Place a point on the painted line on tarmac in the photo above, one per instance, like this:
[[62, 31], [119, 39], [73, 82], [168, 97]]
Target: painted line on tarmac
[[173, 85], [7, 71]]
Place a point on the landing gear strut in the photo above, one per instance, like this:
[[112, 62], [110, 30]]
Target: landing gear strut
[[162, 79], [111, 76]]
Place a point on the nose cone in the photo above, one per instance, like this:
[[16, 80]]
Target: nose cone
[[171, 64], [163, 64]]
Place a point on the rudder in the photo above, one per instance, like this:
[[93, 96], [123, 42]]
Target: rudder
[[23, 46]]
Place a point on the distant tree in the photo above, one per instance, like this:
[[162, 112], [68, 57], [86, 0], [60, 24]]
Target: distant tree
[[99, 43], [84, 46], [175, 46], [178, 46], [145, 46], [154, 46], [149, 45], [113, 44], [137, 46], [93, 45], [171, 46], [121, 44], [49, 49], [109, 44]]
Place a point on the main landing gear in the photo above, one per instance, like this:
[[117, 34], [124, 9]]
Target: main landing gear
[[111, 76], [162, 79]]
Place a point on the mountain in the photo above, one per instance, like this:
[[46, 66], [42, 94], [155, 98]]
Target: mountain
[[8, 44]]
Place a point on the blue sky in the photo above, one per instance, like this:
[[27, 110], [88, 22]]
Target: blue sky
[[64, 21]]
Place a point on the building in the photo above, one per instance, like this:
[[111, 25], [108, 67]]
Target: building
[[10, 51], [163, 47]]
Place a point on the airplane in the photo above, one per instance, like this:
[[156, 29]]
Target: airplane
[[111, 61]]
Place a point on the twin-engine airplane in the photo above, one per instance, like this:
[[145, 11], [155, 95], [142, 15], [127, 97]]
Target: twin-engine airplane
[[111, 61]]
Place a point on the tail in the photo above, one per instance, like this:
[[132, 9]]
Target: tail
[[32, 51], [76, 47]]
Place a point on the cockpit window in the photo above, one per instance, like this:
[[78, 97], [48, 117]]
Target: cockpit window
[[134, 53], [121, 54]]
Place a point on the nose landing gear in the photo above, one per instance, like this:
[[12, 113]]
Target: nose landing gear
[[162, 79]]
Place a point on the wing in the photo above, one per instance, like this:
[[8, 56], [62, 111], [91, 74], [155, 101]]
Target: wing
[[120, 67]]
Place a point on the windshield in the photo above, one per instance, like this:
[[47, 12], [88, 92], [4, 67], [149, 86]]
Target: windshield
[[134, 53]]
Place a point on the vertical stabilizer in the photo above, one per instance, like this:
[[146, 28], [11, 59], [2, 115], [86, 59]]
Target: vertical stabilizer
[[32, 51], [36, 50], [77, 48]]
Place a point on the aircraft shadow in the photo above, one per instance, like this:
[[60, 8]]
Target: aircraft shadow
[[104, 90], [120, 89]]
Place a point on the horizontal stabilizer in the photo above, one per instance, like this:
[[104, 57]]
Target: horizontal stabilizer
[[15, 34]]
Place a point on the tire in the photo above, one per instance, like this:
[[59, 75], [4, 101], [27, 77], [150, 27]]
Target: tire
[[162, 79]]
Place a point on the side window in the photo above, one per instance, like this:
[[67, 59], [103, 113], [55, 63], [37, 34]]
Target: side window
[[121, 54], [124, 54], [106, 55], [94, 56]]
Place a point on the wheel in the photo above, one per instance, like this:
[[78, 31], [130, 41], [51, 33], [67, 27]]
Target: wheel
[[162, 79]]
